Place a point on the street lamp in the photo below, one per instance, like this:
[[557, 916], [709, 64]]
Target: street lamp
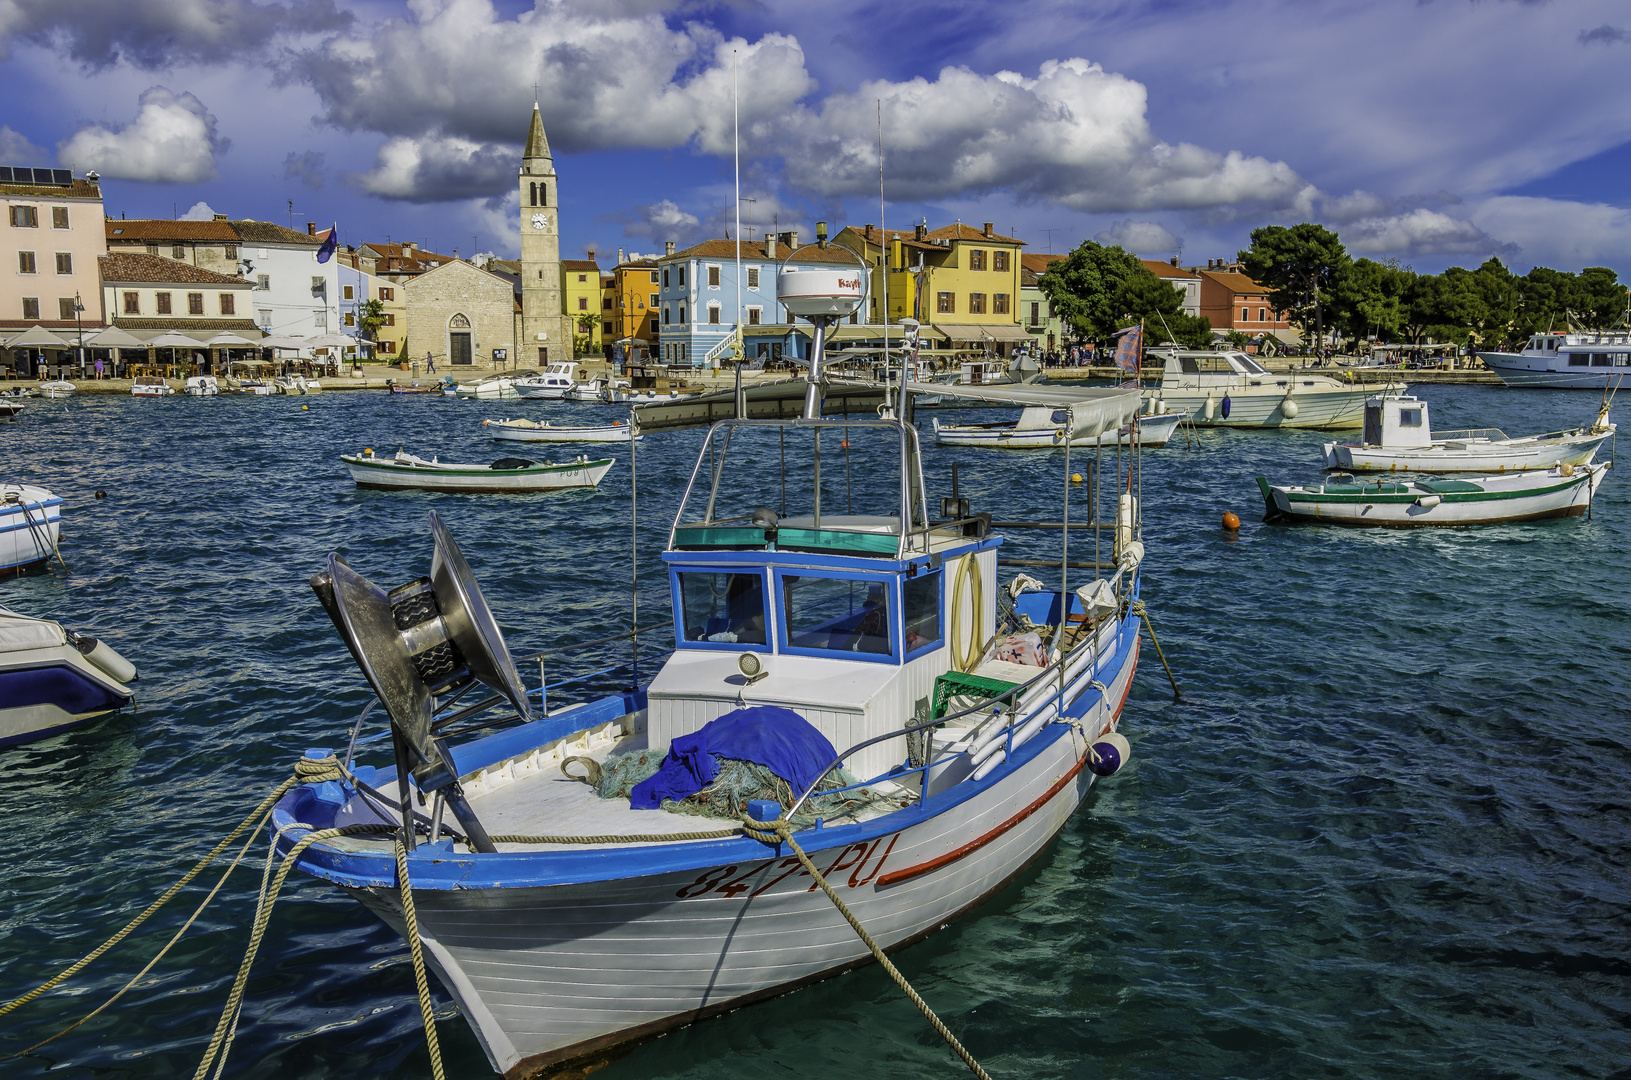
[[79, 320]]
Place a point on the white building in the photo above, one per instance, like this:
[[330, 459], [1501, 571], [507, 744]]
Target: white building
[[294, 293]]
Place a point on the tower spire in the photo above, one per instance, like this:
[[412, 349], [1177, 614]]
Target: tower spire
[[537, 145]]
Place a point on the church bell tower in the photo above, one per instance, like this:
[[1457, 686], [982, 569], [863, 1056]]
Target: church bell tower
[[546, 331]]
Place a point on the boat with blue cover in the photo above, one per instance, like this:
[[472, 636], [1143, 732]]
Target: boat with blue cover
[[843, 663], [52, 679]]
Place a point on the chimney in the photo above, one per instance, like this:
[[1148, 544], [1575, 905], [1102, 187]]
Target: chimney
[[990, 228], [407, 245], [920, 231], [668, 247], [1175, 260], [869, 230], [770, 245], [311, 228], [821, 233], [220, 217]]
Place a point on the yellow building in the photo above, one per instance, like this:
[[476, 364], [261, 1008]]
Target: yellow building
[[635, 311], [580, 291], [969, 280]]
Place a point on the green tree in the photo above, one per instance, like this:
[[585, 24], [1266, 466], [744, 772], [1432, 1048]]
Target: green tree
[[1367, 299], [1598, 301], [1098, 290], [371, 316], [1297, 265]]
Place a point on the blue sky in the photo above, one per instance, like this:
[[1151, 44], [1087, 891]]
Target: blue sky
[[1436, 132]]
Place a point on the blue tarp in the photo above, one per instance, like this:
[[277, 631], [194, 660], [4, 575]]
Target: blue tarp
[[779, 739]]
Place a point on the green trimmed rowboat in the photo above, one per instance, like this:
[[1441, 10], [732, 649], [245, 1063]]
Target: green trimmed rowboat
[[502, 476], [1479, 500]]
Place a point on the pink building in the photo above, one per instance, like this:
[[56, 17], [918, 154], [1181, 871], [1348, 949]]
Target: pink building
[[53, 237]]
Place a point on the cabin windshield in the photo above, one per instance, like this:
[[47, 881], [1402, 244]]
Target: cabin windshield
[[836, 614], [726, 609], [829, 486], [1247, 364]]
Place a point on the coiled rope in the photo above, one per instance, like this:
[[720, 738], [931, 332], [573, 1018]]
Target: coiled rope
[[1137, 608], [781, 832]]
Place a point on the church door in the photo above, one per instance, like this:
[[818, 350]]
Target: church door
[[459, 347]]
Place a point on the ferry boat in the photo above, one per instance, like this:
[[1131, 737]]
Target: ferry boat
[[1226, 388], [970, 720], [1565, 361], [1399, 437]]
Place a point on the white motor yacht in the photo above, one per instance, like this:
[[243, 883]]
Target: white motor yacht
[[1227, 388], [1565, 361], [558, 381]]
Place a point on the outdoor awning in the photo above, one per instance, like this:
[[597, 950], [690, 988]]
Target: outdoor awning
[[284, 341], [331, 341], [983, 331], [1093, 410], [38, 337], [115, 338], [173, 340], [226, 339]]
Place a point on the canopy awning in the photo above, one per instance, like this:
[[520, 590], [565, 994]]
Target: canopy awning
[[227, 338], [331, 341], [1093, 409], [283, 341], [115, 338], [983, 331], [173, 340], [38, 337]]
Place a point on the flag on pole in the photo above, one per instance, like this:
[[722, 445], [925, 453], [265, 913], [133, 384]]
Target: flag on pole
[[1130, 349], [326, 252]]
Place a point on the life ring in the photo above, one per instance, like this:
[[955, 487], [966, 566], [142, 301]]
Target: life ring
[[966, 659]]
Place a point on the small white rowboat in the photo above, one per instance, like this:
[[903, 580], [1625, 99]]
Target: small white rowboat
[[503, 476], [1480, 500], [534, 431], [1036, 428]]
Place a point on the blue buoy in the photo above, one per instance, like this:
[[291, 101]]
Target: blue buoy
[[764, 809], [1108, 754], [1226, 406]]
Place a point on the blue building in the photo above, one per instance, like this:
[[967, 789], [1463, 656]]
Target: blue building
[[697, 297]]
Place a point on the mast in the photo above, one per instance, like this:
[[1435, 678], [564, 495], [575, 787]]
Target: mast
[[736, 125]]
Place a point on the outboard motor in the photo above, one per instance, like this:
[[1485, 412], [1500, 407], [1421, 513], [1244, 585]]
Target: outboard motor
[[433, 636]]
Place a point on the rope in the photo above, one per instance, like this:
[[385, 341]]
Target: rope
[[780, 831], [306, 772], [1137, 608], [417, 951]]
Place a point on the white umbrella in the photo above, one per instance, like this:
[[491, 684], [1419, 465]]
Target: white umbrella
[[226, 338], [332, 341], [173, 340], [115, 338], [38, 337], [283, 342]]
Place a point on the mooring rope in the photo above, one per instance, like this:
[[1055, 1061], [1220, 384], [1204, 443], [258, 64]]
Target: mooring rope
[[780, 831], [1137, 608]]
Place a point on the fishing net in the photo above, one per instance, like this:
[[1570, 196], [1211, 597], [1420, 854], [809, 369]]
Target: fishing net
[[739, 782]]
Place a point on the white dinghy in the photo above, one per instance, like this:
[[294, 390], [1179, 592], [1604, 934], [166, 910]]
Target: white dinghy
[[567, 918], [544, 431], [504, 476], [52, 679], [1399, 437], [1566, 491], [30, 523]]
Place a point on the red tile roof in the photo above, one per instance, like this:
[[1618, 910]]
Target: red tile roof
[[580, 264], [1238, 283], [1037, 262], [79, 189], [960, 231], [140, 268], [264, 232], [753, 249], [147, 230], [1163, 269]]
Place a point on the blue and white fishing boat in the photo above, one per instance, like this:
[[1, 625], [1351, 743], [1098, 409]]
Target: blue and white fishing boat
[[52, 679], [847, 664], [30, 523]]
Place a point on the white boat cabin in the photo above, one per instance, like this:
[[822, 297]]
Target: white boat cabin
[[558, 376], [1204, 368], [1582, 350], [1397, 423]]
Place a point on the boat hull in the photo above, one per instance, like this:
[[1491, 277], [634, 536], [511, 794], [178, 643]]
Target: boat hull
[[1382, 506], [548, 973], [1154, 431], [46, 684], [30, 526], [1318, 408], [1553, 372], [386, 475], [503, 431], [1528, 456]]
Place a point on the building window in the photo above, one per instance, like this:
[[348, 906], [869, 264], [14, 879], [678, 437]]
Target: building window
[[1036, 313], [263, 318], [350, 317], [605, 328], [999, 303], [319, 286], [654, 302], [319, 319], [682, 313], [713, 314], [195, 303], [583, 278], [713, 277], [654, 277], [65, 308], [31, 308], [653, 326], [533, 194], [999, 261], [1260, 315], [976, 303], [133, 303], [753, 277], [583, 303], [263, 282], [161, 302], [65, 262], [665, 315], [390, 319], [976, 259], [386, 348], [1245, 315], [59, 217], [178, 251], [665, 277], [229, 304], [25, 262], [25, 217], [605, 303], [347, 292], [387, 294], [944, 304], [231, 252], [754, 315]]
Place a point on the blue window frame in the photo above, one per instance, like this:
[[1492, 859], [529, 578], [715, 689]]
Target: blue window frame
[[837, 615], [720, 608]]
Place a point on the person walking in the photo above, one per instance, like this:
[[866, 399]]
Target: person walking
[[430, 364]]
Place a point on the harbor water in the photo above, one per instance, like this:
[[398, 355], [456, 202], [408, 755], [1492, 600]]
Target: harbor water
[[1384, 833]]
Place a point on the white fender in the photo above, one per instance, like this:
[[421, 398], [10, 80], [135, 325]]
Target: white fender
[[104, 657], [1209, 409], [1288, 408]]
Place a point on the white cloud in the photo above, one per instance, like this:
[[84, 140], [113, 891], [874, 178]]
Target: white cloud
[[172, 140], [1142, 237], [1422, 232], [437, 168], [153, 33], [199, 211], [661, 221], [15, 149], [1555, 232]]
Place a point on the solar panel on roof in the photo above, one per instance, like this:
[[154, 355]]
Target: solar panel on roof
[[5, 174], [62, 176]]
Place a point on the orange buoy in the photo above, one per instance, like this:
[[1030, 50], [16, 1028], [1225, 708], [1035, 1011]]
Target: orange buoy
[[1231, 522]]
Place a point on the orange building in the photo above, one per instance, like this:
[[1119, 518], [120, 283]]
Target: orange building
[[1233, 301]]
